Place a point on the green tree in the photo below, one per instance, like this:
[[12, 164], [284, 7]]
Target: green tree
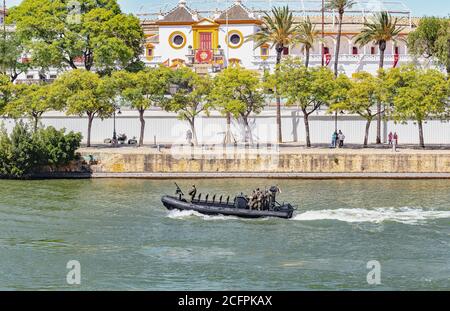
[[306, 35], [189, 98], [238, 91], [418, 95], [382, 29], [309, 89], [12, 47], [443, 45], [362, 97], [32, 101], [277, 29], [431, 39], [340, 6], [6, 92], [84, 93], [66, 33], [142, 90]]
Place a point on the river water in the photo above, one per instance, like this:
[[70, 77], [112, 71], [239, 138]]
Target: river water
[[124, 239]]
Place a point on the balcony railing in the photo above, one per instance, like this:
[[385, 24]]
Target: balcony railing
[[345, 58], [153, 60]]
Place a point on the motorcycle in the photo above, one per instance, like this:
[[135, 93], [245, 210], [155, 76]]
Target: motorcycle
[[121, 139]]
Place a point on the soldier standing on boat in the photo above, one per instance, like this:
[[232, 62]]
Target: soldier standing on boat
[[252, 201], [258, 199], [265, 197], [273, 195], [192, 192]]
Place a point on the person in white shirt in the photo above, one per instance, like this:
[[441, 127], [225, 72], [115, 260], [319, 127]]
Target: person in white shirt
[[341, 138]]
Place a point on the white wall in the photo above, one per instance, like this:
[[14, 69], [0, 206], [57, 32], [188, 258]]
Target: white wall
[[168, 129], [246, 51], [163, 48]]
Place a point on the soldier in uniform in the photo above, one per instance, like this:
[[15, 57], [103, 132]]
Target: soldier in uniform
[[272, 197], [258, 199], [265, 195], [193, 192], [252, 201]]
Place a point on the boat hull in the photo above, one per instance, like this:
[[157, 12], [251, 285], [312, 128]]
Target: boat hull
[[171, 203]]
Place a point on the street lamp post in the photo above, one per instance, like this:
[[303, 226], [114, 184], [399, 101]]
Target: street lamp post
[[4, 36], [114, 138], [323, 31]]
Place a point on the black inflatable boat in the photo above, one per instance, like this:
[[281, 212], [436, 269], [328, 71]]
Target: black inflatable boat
[[238, 207]]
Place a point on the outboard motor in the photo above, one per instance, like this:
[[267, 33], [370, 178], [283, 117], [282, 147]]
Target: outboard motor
[[240, 202]]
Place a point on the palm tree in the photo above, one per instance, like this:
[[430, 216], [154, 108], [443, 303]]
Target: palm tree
[[278, 29], [380, 30], [306, 34], [340, 6]]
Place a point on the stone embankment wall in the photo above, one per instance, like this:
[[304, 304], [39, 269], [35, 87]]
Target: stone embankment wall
[[310, 162]]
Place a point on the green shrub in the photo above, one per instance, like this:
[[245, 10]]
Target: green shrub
[[56, 147], [24, 152]]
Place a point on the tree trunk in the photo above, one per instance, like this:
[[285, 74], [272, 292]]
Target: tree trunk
[[36, 121], [247, 130], [378, 123], [14, 77], [36, 117], [141, 118], [278, 99], [90, 119], [448, 59], [421, 141], [338, 45], [227, 139], [306, 120], [194, 133], [382, 47], [307, 57], [366, 135]]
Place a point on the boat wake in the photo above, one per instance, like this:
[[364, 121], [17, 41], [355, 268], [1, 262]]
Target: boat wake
[[404, 215], [177, 214]]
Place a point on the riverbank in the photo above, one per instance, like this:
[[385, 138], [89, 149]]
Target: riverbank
[[264, 162]]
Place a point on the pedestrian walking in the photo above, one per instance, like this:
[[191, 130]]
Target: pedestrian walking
[[390, 138], [341, 138], [334, 138], [395, 142]]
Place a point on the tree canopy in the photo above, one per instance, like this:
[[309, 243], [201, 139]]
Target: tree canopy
[[32, 101], [431, 39], [419, 95], [6, 92], [82, 93], [12, 48], [89, 34], [189, 93], [141, 90], [362, 96], [308, 88], [238, 91]]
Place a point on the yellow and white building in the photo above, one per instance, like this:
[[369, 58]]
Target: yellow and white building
[[211, 40]]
